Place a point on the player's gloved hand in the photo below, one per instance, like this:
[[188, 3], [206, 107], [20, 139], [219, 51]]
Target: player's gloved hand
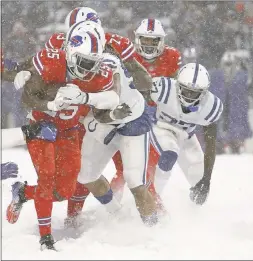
[[120, 112], [200, 191], [21, 78], [10, 65], [59, 103], [73, 94], [40, 130], [9, 170]]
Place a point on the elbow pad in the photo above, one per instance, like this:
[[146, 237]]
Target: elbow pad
[[104, 100]]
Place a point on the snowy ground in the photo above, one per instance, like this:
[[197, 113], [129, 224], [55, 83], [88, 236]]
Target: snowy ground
[[221, 229]]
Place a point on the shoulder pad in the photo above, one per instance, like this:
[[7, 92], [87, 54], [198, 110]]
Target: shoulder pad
[[51, 65], [55, 41], [161, 89]]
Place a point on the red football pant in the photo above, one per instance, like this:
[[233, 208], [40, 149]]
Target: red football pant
[[57, 165], [76, 202]]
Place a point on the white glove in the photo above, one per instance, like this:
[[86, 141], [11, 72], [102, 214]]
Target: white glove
[[72, 94], [21, 78], [59, 103]]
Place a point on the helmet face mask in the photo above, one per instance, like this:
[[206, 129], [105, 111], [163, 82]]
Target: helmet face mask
[[189, 96], [149, 45], [84, 55], [84, 67], [149, 38]]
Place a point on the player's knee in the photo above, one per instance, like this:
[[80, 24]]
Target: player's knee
[[167, 160]]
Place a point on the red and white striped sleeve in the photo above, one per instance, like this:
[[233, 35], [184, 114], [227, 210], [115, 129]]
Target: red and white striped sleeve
[[38, 64]]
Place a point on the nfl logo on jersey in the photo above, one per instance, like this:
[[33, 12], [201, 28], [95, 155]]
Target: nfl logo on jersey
[[76, 40]]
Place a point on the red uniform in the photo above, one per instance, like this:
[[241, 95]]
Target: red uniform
[[165, 65], [122, 45], [58, 163]]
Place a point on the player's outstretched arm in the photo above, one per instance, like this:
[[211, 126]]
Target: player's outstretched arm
[[10, 73], [200, 191], [120, 112], [210, 133], [141, 77], [38, 95]]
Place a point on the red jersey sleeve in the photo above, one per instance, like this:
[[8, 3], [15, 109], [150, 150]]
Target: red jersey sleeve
[[51, 65], [55, 41], [122, 45], [102, 81]]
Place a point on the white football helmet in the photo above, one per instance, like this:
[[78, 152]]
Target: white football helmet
[[86, 26], [149, 38], [193, 82], [84, 53], [81, 14]]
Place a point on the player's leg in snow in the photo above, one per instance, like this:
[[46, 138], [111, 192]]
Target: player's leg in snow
[[43, 157], [47, 242], [151, 172], [95, 157], [134, 152], [118, 182], [166, 146], [75, 206], [18, 199]]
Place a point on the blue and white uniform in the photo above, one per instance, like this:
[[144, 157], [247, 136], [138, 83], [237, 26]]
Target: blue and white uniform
[[130, 135], [173, 133]]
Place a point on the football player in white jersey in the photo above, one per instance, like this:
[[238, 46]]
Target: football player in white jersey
[[182, 104], [105, 135]]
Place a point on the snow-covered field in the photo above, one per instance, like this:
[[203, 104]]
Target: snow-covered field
[[221, 229]]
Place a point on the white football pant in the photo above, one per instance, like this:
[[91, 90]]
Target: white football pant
[[96, 155], [190, 155]]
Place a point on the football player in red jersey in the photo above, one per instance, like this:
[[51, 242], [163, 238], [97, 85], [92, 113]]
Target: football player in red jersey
[[159, 60], [126, 51], [56, 153], [152, 53]]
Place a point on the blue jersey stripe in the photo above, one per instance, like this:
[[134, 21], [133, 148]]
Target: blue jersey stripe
[[163, 90], [213, 109], [168, 90], [217, 113]]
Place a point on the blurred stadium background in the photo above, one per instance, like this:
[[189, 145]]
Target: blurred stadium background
[[217, 34]]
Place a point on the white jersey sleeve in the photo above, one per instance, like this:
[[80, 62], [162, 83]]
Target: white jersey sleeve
[[128, 93], [212, 108]]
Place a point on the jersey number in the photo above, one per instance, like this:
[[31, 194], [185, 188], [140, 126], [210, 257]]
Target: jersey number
[[53, 53], [114, 40], [72, 108], [104, 70], [62, 115]]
